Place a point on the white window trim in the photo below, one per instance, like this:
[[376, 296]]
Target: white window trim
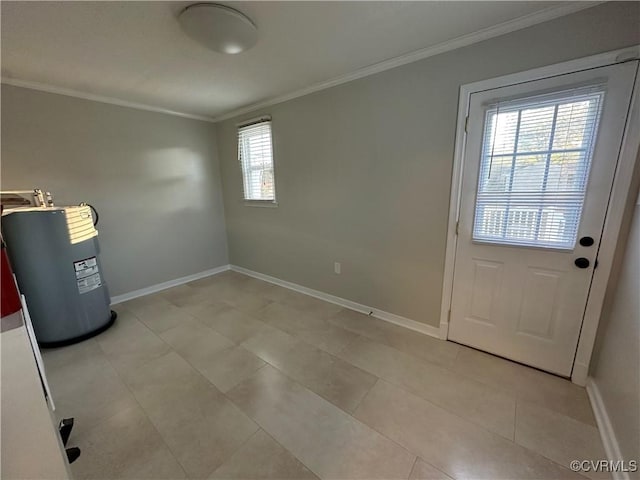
[[260, 203], [614, 217], [255, 202]]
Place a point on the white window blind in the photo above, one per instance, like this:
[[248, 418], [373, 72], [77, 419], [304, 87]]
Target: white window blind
[[534, 169], [255, 153]]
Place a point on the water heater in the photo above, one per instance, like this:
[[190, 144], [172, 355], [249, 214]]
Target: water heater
[[55, 255]]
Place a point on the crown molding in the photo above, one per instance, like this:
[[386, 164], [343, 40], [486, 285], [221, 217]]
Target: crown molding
[[459, 42], [43, 87]]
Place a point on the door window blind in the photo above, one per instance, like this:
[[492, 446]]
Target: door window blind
[[534, 169], [255, 153]]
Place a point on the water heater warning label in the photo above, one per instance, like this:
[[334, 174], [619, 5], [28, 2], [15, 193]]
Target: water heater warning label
[[87, 274]]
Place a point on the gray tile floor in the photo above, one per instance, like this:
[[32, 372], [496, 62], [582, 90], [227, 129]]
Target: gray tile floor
[[231, 377]]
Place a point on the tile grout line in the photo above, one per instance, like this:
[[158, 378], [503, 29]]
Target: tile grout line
[[413, 467], [153, 425], [447, 366], [512, 392], [326, 319], [402, 387], [375, 340], [155, 334], [477, 426], [230, 400], [172, 350], [335, 356], [413, 392], [199, 322], [519, 396], [335, 406], [263, 428], [394, 441], [240, 345], [105, 419], [351, 414], [418, 457], [515, 420], [196, 369], [358, 335], [242, 444], [349, 343], [364, 397], [267, 363], [582, 474], [290, 452]]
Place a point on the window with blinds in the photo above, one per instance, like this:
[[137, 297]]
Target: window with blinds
[[534, 168], [255, 153]]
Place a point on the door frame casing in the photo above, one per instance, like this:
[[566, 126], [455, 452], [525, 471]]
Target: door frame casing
[[615, 210]]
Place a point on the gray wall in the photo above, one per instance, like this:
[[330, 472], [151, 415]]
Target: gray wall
[[616, 362], [154, 178], [363, 170], [618, 359]]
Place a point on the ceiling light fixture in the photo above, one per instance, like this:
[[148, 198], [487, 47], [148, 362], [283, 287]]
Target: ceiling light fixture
[[218, 27]]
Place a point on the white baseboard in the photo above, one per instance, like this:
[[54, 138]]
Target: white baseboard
[[358, 307], [608, 435], [444, 330], [580, 374], [164, 285], [374, 312]]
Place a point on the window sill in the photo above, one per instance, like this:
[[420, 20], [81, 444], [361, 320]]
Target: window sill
[[261, 203]]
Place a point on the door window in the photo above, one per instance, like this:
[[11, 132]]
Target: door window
[[534, 168]]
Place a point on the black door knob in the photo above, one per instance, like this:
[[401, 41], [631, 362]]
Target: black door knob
[[586, 241], [582, 262]]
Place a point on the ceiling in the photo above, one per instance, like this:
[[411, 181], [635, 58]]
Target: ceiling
[[136, 51]]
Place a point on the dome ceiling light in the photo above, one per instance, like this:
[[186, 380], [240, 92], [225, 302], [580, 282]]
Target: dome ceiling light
[[218, 27]]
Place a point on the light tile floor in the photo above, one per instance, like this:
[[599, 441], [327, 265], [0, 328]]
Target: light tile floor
[[231, 377]]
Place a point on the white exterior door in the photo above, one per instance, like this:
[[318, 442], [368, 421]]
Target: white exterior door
[[539, 163]]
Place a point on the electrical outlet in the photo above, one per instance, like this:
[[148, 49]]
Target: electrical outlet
[[337, 268]]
